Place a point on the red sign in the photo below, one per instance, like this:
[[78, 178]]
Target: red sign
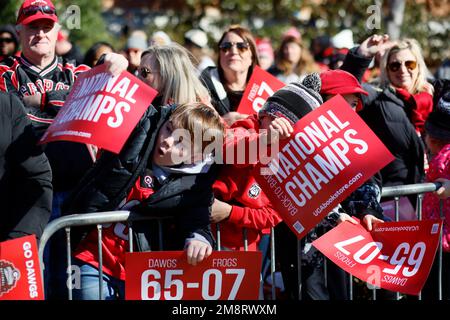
[[259, 88], [396, 256], [20, 272], [101, 110], [325, 160], [166, 275]]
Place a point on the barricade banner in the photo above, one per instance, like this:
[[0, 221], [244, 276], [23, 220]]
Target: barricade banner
[[396, 256], [260, 87], [101, 109], [20, 272], [166, 275], [330, 154]]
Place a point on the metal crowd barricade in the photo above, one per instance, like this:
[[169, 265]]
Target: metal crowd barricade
[[99, 219], [85, 219], [396, 192]]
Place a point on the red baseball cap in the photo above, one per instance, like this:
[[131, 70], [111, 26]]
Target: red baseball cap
[[340, 82], [32, 10]]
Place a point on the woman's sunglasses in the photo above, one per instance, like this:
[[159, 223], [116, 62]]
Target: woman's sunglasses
[[144, 72], [396, 65], [6, 40], [241, 46]]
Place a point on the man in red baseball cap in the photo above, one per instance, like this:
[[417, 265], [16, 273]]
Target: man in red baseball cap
[[38, 30], [43, 80], [32, 10]]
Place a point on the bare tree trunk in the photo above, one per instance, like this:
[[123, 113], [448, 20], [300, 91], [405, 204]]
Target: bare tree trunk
[[276, 8], [395, 18]]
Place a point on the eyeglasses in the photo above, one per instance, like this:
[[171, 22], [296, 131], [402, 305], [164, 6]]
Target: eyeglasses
[[29, 11], [241, 46], [6, 40], [396, 65], [144, 72]]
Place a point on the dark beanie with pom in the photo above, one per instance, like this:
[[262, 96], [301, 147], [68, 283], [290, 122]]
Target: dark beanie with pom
[[294, 101]]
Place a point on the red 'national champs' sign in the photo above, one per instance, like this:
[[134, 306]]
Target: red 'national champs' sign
[[330, 154], [20, 273], [101, 109], [260, 87], [396, 256], [166, 275]]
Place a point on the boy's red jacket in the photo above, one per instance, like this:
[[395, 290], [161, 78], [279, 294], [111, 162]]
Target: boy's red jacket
[[236, 185]]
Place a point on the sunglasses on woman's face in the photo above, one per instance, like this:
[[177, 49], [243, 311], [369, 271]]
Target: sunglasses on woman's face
[[396, 65], [241, 46], [144, 72], [6, 40]]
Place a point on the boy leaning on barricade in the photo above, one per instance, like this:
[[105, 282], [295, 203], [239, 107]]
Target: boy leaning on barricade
[[161, 172]]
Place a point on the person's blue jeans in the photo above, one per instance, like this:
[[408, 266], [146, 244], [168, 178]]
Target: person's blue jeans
[[55, 255], [113, 288]]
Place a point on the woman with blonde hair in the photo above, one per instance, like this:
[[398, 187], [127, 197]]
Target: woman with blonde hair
[[293, 61], [403, 68], [396, 111], [169, 70], [415, 81]]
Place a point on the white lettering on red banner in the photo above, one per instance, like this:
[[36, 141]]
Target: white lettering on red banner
[[260, 87], [166, 275], [20, 273], [322, 163], [396, 256], [101, 110]]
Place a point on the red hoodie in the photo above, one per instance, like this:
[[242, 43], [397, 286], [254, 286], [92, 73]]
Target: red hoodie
[[236, 185]]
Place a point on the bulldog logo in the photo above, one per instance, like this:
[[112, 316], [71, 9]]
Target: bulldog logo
[[254, 191], [9, 276]]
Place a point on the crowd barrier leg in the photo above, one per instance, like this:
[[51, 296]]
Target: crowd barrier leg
[[272, 261], [69, 264], [100, 262]]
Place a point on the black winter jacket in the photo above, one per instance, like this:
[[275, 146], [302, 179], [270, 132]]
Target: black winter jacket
[[222, 101], [25, 175], [187, 198]]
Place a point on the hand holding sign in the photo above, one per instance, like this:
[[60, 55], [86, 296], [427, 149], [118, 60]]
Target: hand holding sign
[[396, 256]]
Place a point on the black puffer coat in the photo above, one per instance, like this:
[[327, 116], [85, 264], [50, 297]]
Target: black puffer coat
[[187, 198], [25, 175]]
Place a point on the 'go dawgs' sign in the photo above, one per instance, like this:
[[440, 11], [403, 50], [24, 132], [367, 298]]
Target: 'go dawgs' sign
[[20, 273]]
